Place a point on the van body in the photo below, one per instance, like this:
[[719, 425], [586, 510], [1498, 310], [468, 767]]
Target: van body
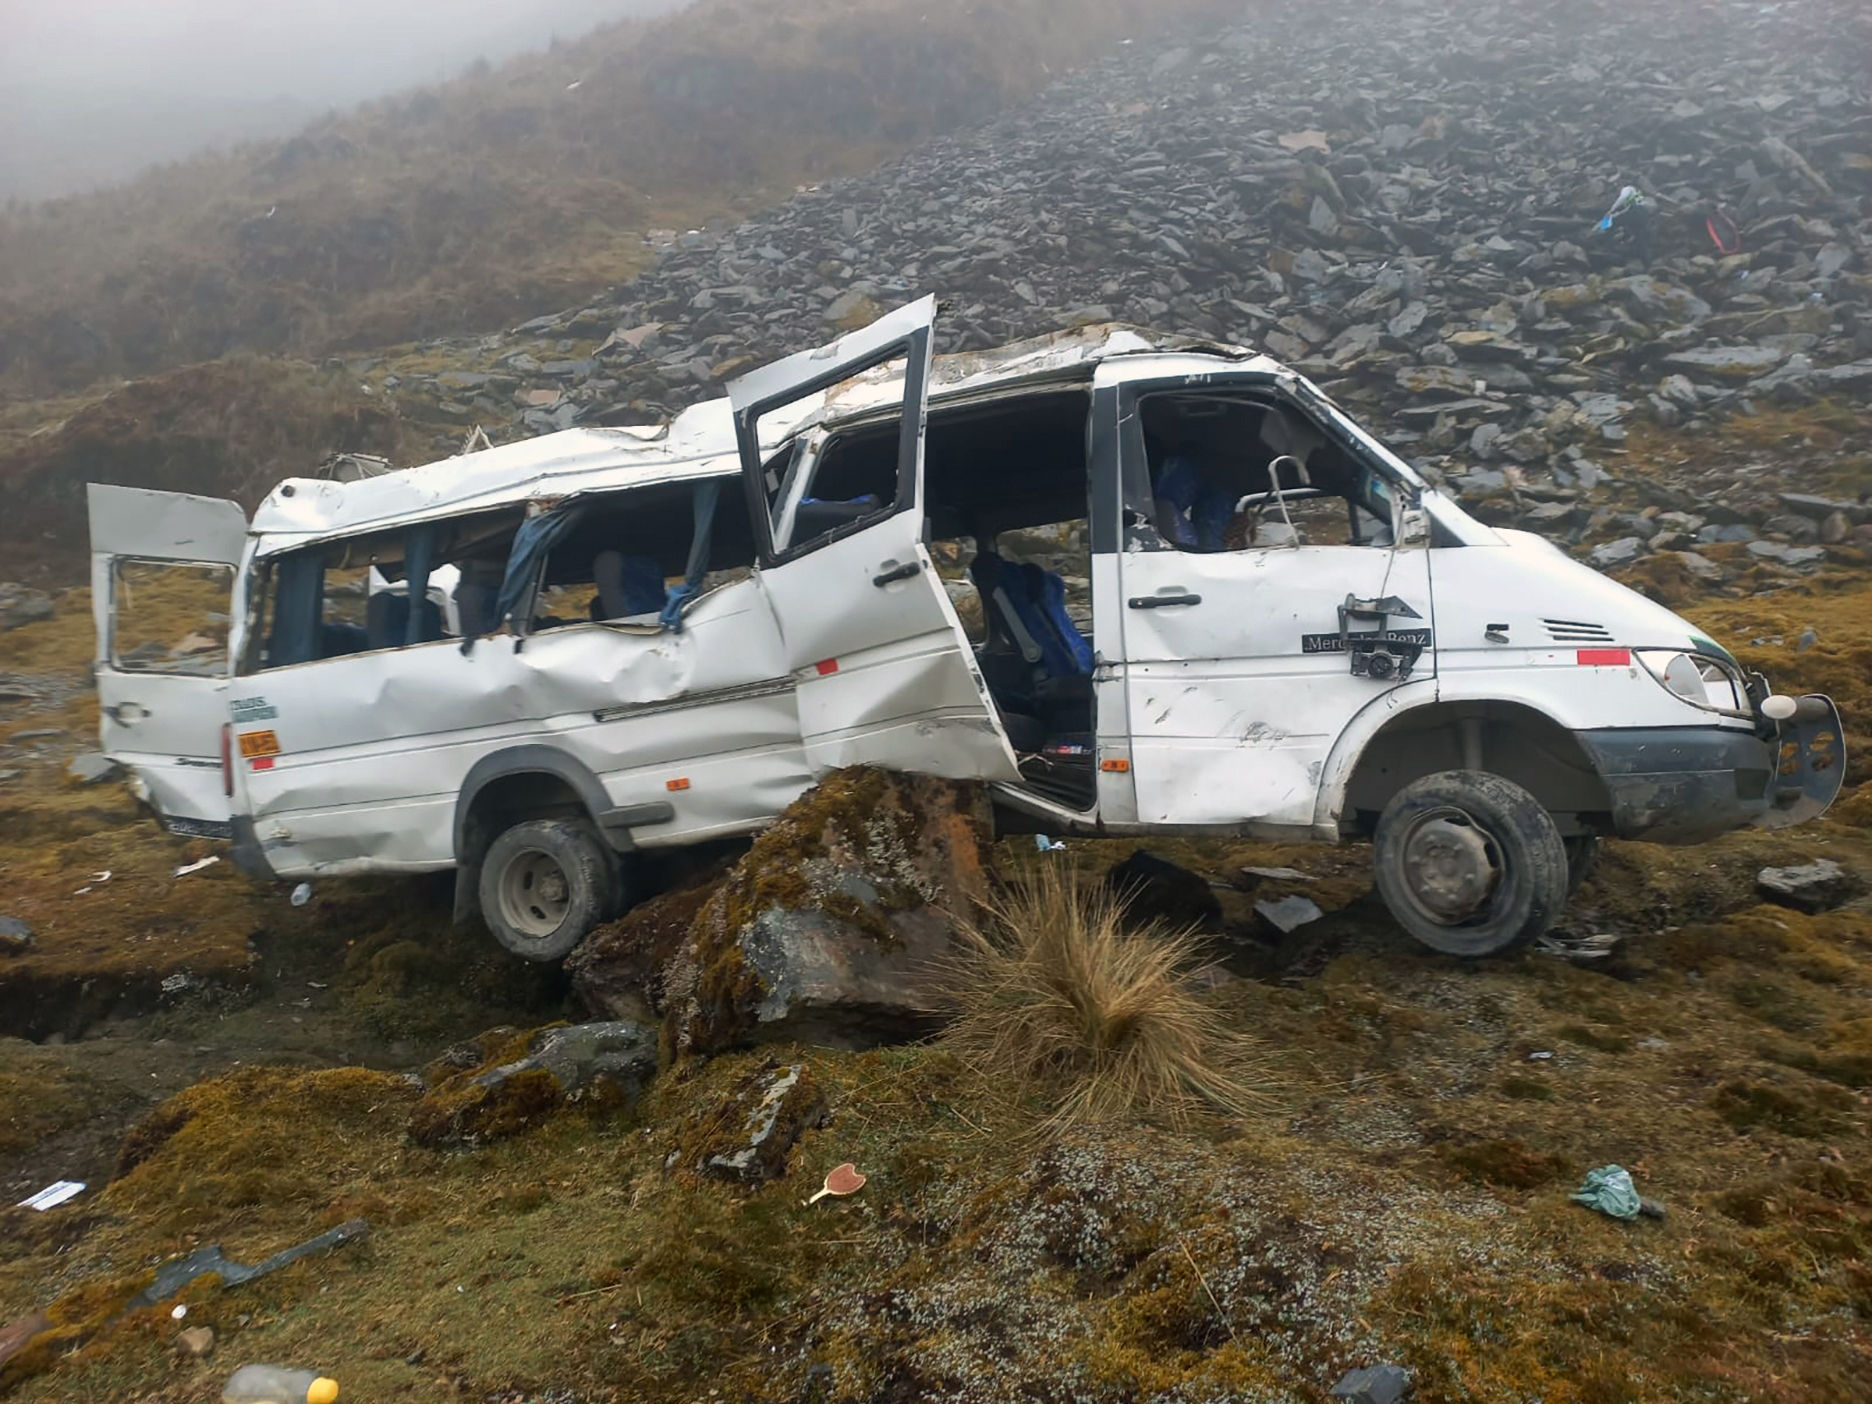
[[1244, 616]]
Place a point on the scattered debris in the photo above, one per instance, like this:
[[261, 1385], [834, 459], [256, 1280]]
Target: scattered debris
[[1609, 1189], [197, 1342], [301, 894], [1277, 874], [1047, 845], [1155, 889], [53, 1195], [16, 937], [1581, 949], [1374, 1384], [96, 880], [1289, 914], [91, 767], [197, 865], [173, 1277], [274, 1384], [1813, 887], [841, 1180]]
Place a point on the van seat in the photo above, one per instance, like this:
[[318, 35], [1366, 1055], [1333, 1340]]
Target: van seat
[[628, 585], [386, 620], [1026, 606]]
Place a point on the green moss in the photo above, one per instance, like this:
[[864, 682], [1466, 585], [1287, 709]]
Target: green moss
[[1813, 1113], [1507, 1163], [1526, 1089]]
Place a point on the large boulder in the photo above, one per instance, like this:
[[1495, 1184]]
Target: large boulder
[[506, 1081], [830, 927], [617, 971]]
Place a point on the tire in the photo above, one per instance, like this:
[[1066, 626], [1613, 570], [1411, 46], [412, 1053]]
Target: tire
[[1582, 856], [545, 883], [1469, 863]]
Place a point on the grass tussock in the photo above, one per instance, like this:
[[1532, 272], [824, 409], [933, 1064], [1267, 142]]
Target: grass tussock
[[1056, 994]]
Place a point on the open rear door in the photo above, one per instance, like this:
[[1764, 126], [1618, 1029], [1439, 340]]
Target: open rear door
[[885, 672], [162, 574]]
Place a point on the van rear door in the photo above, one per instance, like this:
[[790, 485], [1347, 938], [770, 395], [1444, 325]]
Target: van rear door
[[162, 573], [886, 675]]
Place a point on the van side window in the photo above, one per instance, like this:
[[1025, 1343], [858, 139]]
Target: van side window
[[169, 617], [1232, 473], [627, 557], [355, 595]]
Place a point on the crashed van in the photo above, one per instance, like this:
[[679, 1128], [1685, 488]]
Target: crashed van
[[1136, 584]]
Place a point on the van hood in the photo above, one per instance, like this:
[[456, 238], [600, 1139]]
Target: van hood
[[1574, 605]]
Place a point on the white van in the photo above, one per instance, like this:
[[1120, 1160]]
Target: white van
[[1251, 618]]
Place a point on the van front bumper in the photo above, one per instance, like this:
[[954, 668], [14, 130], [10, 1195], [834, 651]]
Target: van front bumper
[[1682, 784]]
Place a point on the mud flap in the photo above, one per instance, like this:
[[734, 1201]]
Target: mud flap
[[1810, 765]]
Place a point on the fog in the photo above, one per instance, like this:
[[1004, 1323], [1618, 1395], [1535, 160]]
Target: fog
[[92, 91]]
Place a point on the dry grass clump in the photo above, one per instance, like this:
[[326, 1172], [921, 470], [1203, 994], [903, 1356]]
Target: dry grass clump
[[1057, 994]]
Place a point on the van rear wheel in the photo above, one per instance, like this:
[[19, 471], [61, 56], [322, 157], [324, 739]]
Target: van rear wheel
[[1469, 863], [545, 883]]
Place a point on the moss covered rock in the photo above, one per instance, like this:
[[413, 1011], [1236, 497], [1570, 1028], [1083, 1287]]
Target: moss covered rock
[[829, 928], [505, 1081]]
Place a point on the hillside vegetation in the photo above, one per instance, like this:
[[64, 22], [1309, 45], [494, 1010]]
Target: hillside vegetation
[[511, 188]]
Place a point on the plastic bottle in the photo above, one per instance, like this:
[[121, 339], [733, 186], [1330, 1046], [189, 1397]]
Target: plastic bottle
[[271, 1384]]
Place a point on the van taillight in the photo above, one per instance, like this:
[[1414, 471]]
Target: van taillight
[[227, 759]]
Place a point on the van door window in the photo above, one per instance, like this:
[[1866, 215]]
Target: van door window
[[1234, 473], [169, 617], [836, 484]]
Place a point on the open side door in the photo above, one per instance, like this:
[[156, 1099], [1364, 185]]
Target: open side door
[[886, 675], [162, 575]]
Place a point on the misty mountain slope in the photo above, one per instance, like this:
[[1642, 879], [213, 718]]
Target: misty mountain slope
[[465, 204]]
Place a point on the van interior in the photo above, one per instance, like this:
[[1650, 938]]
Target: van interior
[[1005, 498]]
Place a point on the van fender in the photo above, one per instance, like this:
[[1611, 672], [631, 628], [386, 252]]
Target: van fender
[[614, 823], [1343, 760]]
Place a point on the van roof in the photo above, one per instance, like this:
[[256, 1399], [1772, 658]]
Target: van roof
[[697, 443]]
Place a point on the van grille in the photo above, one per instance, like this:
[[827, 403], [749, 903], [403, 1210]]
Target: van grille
[[1577, 631]]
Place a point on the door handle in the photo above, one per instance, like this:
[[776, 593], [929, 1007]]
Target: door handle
[[896, 573], [126, 713], [1183, 597]]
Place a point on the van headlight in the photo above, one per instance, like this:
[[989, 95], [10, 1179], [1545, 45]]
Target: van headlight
[[1697, 678]]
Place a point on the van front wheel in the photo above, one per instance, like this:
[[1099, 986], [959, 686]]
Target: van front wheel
[[1469, 863], [544, 884]]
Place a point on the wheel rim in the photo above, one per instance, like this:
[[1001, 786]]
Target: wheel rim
[[1452, 866], [535, 893]]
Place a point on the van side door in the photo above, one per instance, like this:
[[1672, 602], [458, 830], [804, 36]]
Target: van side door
[[1266, 599], [886, 675], [162, 572]]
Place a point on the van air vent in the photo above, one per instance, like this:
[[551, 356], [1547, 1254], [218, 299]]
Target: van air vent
[[1577, 631]]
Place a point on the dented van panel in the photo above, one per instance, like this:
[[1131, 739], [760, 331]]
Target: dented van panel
[[1248, 617]]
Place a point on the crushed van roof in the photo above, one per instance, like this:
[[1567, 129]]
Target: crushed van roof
[[697, 443]]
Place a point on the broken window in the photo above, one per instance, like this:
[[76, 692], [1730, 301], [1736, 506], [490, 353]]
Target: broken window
[[169, 617], [418, 584], [821, 487], [635, 557], [1208, 472]]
